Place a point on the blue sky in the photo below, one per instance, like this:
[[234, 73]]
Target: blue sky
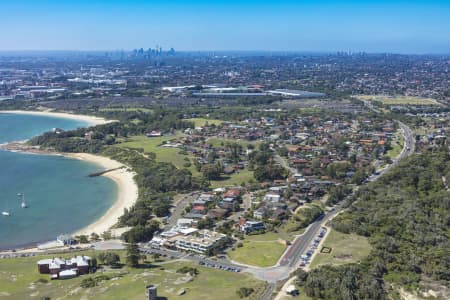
[[372, 26]]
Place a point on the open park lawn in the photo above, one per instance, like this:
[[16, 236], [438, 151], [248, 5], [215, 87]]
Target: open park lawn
[[163, 154], [242, 176], [345, 248], [400, 100], [262, 250], [218, 142], [19, 279], [396, 146], [200, 122]]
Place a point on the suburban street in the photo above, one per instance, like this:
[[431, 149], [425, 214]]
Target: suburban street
[[179, 209]]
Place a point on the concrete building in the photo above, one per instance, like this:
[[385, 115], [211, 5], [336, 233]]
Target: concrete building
[[272, 197], [251, 226], [201, 242], [185, 222]]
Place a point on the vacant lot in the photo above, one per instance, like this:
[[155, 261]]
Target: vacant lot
[[19, 280], [262, 250], [400, 100], [346, 248]]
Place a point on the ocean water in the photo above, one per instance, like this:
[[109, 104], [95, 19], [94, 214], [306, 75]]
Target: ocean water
[[61, 198]]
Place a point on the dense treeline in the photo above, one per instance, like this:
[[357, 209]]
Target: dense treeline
[[262, 162], [352, 281], [338, 193], [406, 215]]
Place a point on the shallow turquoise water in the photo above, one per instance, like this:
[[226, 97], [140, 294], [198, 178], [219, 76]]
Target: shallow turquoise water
[[60, 196]]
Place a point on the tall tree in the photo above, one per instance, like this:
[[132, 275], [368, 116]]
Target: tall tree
[[133, 255]]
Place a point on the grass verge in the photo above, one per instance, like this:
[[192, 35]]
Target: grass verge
[[345, 248]]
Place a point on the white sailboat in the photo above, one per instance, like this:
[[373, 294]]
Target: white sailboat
[[6, 212], [23, 204]]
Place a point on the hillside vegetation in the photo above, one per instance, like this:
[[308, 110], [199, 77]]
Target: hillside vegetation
[[406, 217]]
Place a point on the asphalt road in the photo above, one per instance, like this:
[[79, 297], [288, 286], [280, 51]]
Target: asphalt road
[[179, 209], [408, 149]]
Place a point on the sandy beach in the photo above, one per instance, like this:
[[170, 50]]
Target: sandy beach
[[92, 120], [127, 192]]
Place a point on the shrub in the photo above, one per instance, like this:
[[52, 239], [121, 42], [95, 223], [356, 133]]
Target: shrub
[[190, 270], [88, 283], [244, 292]]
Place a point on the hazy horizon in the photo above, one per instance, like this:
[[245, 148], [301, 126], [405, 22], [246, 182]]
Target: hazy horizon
[[403, 27], [203, 51]]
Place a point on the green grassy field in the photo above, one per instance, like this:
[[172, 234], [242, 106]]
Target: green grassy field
[[346, 248], [19, 277], [200, 122], [262, 250], [234, 179], [163, 154], [172, 155], [396, 147], [292, 224], [400, 100], [217, 142]]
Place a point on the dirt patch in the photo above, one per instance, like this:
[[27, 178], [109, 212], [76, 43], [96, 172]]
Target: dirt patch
[[343, 256], [183, 280]]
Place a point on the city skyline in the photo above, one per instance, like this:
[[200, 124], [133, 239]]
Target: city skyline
[[417, 27]]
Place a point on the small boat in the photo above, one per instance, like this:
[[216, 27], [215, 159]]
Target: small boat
[[23, 204], [6, 212]]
